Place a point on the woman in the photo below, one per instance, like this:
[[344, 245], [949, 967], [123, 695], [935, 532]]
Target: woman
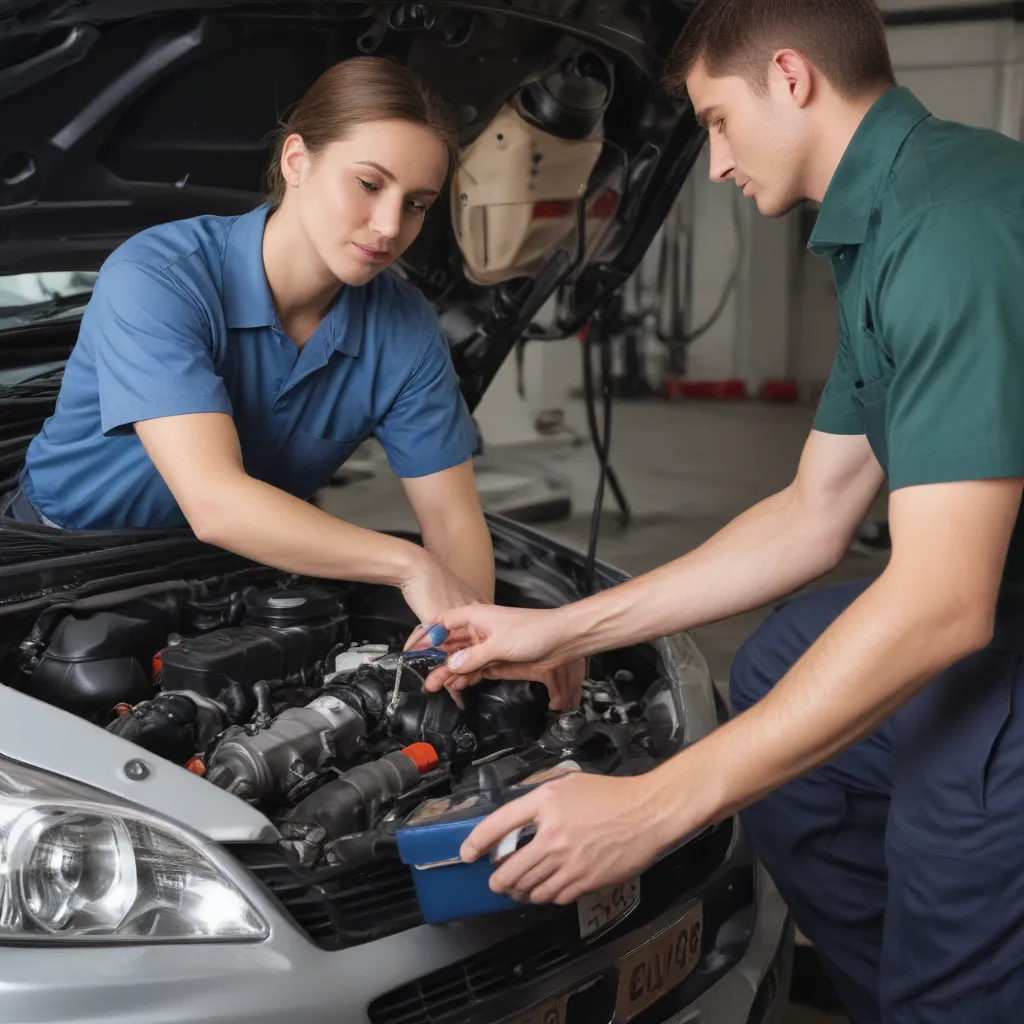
[[227, 366]]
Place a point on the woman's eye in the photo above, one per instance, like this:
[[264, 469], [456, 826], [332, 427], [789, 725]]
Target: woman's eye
[[418, 205], [368, 185]]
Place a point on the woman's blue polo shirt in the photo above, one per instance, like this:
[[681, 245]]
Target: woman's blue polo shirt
[[181, 320]]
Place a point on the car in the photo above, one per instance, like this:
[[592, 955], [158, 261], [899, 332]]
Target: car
[[208, 791]]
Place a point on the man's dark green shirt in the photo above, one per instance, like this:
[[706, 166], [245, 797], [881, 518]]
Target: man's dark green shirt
[[923, 222]]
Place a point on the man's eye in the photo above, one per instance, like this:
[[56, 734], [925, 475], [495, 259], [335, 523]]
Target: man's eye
[[719, 123], [368, 185]]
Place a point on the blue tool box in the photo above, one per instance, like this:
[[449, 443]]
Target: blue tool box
[[430, 838]]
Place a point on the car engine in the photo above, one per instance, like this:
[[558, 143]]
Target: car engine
[[278, 692]]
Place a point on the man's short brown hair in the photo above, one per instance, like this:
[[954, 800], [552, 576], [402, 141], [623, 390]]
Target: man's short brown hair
[[844, 39]]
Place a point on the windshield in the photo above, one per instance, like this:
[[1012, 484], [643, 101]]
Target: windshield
[[25, 298]]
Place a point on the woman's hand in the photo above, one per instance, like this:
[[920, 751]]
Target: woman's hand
[[431, 591]]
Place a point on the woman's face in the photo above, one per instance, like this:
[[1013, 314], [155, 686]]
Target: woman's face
[[361, 200]]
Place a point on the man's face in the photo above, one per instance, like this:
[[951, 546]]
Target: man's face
[[757, 141]]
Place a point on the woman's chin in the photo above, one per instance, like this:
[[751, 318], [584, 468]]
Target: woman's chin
[[357, 272]]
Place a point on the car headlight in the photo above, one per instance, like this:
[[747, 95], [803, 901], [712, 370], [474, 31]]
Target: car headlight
[[78, 865]]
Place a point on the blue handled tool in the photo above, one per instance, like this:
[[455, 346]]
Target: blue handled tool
[[434, 655]]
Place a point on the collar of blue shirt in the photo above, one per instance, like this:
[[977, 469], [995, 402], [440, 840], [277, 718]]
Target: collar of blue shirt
[[247, 299]]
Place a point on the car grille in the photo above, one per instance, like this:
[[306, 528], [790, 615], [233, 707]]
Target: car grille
[[453, 993], [334, 906]]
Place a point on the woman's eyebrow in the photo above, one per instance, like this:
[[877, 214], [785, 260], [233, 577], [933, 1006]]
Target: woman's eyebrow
[[387, 174]]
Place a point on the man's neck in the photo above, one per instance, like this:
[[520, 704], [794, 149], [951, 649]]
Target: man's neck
[[841, 119], [301, 286]]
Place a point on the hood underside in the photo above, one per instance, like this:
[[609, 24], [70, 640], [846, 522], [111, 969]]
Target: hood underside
[[119, 114]]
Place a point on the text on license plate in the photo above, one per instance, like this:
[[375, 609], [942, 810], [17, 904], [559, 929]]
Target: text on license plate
[[601, 909], [644, 975]]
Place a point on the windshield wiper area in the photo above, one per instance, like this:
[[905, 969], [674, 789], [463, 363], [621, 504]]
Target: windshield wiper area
[[30, 312]]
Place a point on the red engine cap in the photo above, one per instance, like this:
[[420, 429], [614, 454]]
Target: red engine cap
[[423, 755]]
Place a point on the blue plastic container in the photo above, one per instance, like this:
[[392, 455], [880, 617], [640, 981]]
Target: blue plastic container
[[429, 841]]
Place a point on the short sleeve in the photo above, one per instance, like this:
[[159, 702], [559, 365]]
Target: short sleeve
[[428, 427], [950, 295], [152, 349], [836, 413]]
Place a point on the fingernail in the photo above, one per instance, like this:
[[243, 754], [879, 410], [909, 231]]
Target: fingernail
[[457, 660], [438, 634]]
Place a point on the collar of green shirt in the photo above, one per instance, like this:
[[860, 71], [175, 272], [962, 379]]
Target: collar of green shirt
[[854, 189]]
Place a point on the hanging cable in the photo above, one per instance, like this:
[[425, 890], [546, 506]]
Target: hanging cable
[[602, 442]]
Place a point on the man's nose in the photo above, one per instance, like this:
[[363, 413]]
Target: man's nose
[[387, 217], [723, 167]]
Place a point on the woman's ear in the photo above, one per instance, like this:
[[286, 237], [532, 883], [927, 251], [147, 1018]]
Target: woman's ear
[[294, 159]]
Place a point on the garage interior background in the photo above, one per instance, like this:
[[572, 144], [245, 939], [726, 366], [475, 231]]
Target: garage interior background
[[778, 322]]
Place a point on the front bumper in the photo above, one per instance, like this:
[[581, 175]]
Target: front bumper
[[745, 958]]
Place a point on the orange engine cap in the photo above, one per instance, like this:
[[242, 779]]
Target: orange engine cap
[[423, 755]]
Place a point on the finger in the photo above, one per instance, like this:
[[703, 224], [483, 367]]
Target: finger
[[559, 884], [509, 874], [496, 826], [456, 696], [460, 618], [416, 637], [473, 659], [531, 878]]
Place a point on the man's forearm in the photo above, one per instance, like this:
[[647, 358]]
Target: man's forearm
[[267, 525], [870, 661], [766, 553]]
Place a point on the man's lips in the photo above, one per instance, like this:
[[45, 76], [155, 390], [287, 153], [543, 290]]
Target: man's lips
[[370, 254]]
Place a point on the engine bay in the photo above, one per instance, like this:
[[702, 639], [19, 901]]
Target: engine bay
[[278, 690]]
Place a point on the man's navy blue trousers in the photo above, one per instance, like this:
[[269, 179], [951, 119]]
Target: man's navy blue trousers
[[902, 859]]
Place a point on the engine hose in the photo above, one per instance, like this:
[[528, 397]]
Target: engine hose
[[350, 802]]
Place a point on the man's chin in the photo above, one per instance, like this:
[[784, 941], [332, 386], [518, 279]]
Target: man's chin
[[769, 207]]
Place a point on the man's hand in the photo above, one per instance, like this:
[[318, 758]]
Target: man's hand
[[592, 831], [487, 642]]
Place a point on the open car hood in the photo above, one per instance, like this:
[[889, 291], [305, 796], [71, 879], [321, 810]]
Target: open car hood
[[119, 114]]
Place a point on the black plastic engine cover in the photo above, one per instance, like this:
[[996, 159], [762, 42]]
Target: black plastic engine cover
[[98, 660], [289, 653]]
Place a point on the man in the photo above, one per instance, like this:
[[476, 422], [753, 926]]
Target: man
[[877, 752]]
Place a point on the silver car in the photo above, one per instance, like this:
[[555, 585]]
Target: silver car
[[209, 800]]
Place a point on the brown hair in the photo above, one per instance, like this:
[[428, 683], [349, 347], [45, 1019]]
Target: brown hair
[[844, 39], [354, 92]]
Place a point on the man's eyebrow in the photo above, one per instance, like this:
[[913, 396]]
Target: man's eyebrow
[[704, 116], [387, 174]]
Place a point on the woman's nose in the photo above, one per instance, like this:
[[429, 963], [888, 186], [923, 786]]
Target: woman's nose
[[387, 217]]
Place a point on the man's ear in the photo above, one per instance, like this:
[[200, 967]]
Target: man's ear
[[791, 70], [294, 159]]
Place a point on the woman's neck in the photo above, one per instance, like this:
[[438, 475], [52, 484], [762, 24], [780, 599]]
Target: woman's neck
[[302, 287]]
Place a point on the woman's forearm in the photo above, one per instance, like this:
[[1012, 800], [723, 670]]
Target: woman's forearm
[[267, 525], [461, 542]]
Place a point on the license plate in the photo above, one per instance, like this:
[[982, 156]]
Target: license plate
[[649, 972], [600, 910], [644, 975]]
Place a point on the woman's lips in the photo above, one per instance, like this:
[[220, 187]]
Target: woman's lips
[[369, 254]]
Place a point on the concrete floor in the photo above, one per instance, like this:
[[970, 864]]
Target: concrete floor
[[687, 469]]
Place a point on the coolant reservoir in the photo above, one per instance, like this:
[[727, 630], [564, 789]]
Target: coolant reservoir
[[515, 194]]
